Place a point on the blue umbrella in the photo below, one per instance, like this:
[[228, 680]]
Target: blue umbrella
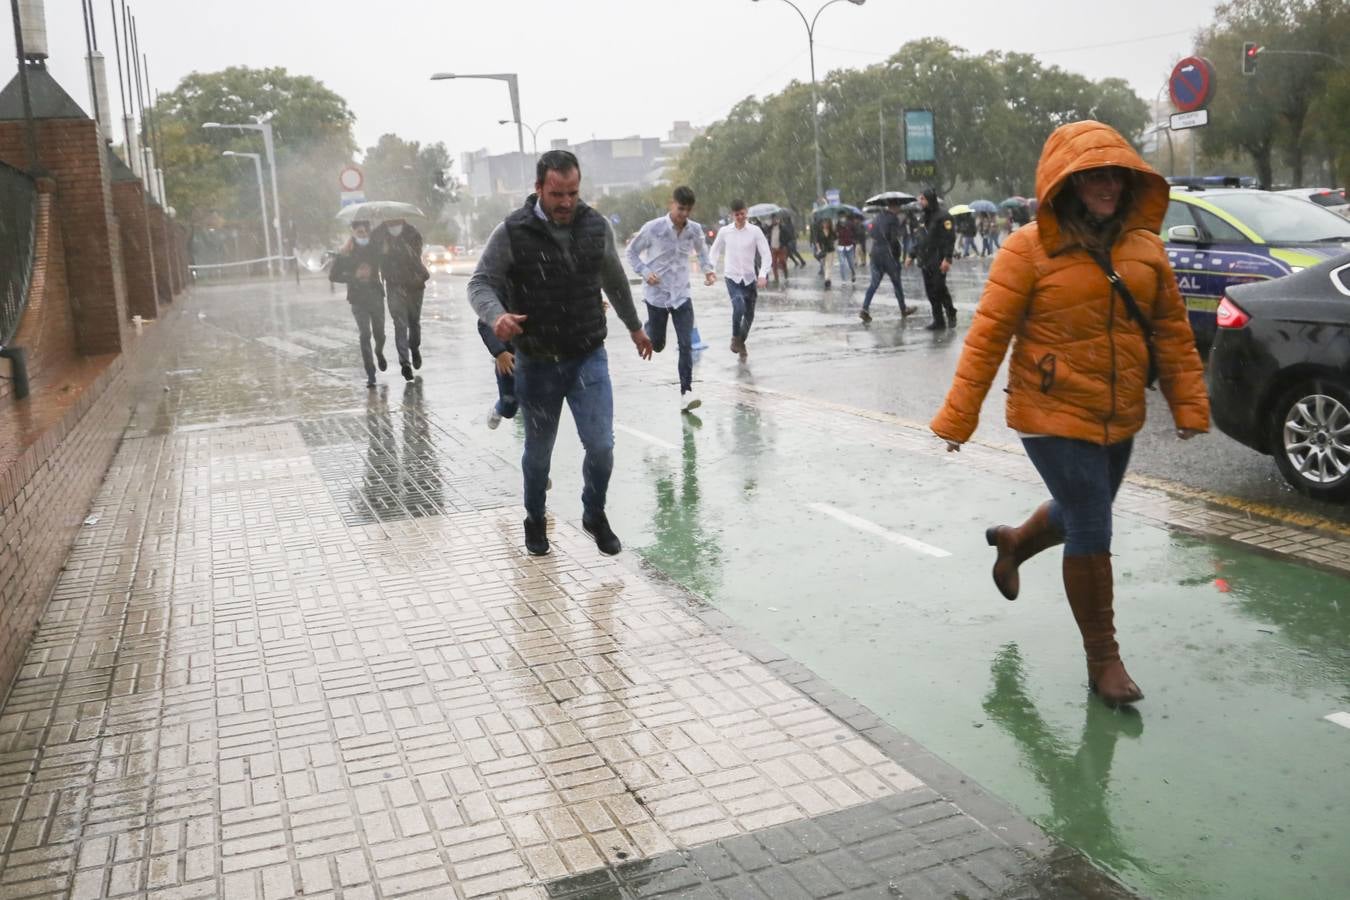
[[983, 206], [834, 209]]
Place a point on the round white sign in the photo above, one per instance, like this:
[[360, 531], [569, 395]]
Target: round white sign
[[351, 179]]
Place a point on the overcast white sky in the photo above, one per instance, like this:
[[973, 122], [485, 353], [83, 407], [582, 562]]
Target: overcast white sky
[[614, 67]]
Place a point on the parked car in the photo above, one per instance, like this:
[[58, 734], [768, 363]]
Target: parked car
[[1279, 374], [1333, 199], [1220, 238], [436, 256]]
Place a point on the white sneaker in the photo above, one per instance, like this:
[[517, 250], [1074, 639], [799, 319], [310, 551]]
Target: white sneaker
[[689, 401], [494, 418]]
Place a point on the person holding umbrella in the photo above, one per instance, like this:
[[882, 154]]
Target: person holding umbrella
[[405, 279], [1090, 305], [886, 255], [357, 266]]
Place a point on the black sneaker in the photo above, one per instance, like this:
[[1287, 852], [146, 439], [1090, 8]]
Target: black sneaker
[[536, 536], [605, 538], [407, 372], [865, 315], [935, 325], [379, 358], [417, 359]]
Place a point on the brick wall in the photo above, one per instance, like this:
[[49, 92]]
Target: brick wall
[[46, 332], [159, 237], [138, 263], [71, 151]]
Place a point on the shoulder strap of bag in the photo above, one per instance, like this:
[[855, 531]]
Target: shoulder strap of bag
[[1118, 284]]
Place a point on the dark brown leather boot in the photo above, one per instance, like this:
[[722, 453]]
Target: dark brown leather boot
[[1017, 545], [1091, 592]]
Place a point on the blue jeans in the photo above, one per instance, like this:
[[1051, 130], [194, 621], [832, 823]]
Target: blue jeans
[[506, 393], [1083, 479], [743, 297], [846, 259], [881, 268], [683, 316], [541, 388]]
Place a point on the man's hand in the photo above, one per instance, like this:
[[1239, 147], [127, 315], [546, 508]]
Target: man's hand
[[653, 279], [642, 342], [946, 266], [506, 363], [507, 326], [710, 278], [762, 281]]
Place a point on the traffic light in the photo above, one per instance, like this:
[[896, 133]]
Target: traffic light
[[1250, 50]]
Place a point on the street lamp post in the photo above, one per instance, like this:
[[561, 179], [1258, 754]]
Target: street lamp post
[[815, 101], [514, 86], [270, 149], [534, 132], [262, 200]]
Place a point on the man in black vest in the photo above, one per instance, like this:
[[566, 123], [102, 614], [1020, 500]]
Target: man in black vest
[[538, 286]]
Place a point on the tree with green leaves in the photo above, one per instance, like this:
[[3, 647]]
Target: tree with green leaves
[[312, 127], [396, 169]]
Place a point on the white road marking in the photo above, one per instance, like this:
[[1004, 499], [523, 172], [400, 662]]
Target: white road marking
[[1340, 718], [874, 529], [649, 438], [316, 340]]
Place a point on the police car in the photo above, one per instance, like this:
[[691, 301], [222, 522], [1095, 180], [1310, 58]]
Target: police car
[[1218, 238]]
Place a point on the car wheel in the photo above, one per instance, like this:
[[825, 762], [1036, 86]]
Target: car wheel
[[1310, 438]]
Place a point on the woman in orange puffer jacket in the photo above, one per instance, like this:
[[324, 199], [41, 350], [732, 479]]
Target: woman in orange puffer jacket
[[1080, 362]]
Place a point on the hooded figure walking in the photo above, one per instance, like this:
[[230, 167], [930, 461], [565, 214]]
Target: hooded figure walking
[[358, 267], [405, 279], [934, 255], [1090, 304]]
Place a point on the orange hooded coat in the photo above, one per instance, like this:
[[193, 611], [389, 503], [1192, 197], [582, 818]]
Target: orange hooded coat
[[1079, 360]]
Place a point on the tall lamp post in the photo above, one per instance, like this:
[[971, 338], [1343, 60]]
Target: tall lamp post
[[815, 101], [270, 149], [513, 84], [262, 200], [534, 132]]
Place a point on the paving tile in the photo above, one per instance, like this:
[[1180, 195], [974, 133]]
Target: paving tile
[[300, 650]]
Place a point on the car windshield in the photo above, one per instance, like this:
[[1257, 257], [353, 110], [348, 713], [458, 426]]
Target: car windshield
[[1282, 220]]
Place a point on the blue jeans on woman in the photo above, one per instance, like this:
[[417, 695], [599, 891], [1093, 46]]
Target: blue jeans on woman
[[1083, 479], [846, 259], [541, 387], [683, 316]]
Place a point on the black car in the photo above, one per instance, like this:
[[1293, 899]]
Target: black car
[[1279, 374]]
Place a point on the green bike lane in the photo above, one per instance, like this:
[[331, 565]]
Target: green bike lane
[[856, 548]]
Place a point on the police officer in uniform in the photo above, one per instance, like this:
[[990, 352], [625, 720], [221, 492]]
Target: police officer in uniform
[[934, 256]]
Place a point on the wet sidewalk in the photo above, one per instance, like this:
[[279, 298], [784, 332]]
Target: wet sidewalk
[[298, 650]]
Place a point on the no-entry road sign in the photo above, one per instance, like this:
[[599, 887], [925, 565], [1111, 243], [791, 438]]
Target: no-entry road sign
[[1192, 83]]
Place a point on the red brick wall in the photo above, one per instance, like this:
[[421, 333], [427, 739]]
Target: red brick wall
[[138, 262], [71, 150], [159, 237], [45, 495]]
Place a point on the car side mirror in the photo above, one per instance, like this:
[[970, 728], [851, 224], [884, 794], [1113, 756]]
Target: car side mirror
[[1184, 234]]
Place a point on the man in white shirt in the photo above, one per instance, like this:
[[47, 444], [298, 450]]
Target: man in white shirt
[[667, 242], [740, 242]]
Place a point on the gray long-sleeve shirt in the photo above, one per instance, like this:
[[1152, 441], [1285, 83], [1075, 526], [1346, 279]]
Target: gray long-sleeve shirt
[[487, 286]]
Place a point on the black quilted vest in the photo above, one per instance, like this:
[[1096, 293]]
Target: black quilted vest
[[559, 292]]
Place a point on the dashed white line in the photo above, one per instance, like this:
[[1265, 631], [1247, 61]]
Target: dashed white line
[[649, 438], [874, 529], [1340, 718]]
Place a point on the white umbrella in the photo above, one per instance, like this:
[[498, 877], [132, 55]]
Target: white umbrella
[[764, 210], [899, 196], [376, 211]]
